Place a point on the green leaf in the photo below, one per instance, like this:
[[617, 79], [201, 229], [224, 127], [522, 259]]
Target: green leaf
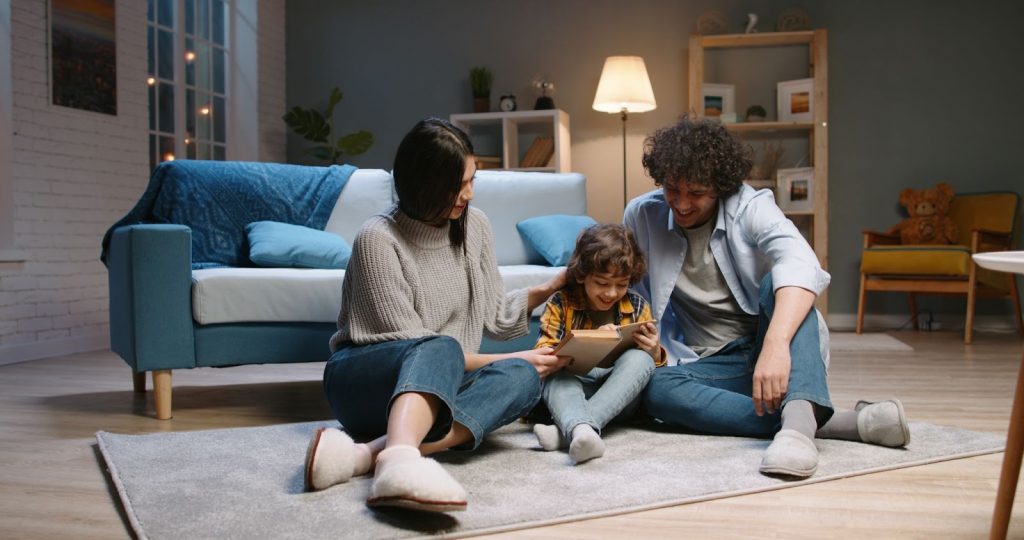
[[309, 123], [332, 101], [354, 144]]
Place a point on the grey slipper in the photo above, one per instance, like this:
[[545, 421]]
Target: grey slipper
[[883, 423], [791, 453]]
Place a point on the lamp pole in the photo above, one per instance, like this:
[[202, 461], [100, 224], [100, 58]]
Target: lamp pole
[[624, 199]]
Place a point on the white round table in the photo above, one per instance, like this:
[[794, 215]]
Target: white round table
[[1012, 262]]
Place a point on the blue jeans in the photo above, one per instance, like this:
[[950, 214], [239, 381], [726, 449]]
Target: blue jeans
[[713, 394], [599, 396], [362, 381]]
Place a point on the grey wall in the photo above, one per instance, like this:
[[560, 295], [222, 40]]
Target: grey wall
[[919, 92]]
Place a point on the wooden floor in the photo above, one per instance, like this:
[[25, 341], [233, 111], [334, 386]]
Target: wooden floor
[[52, 484]]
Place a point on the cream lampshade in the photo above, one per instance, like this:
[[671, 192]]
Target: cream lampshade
[[624, 88]]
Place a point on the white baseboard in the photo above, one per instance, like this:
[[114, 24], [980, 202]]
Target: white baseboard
[[942, 321], [12, 354]]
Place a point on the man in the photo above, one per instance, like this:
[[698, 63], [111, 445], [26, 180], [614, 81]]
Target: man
[[732, 283]]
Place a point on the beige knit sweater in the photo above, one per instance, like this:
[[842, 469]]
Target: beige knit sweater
[[405, 280]]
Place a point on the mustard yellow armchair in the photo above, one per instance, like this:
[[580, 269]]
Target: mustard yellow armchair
[[985, 222]]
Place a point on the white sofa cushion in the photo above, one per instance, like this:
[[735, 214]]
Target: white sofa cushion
[[508, 197], [230, 295], [236, 295], [368, 192]]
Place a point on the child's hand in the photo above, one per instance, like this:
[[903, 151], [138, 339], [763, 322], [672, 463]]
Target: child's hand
[[647, 339], [545, 362], [609, 326]]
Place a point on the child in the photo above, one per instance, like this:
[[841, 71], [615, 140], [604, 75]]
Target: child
[[605, 263]]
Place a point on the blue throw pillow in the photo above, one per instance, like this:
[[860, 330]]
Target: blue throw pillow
[[285, 245], [554, 237]]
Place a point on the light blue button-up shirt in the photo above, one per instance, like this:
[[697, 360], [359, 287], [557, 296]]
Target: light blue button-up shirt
[[751, 238]]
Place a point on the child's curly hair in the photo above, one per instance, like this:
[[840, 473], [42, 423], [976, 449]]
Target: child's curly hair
[[607, 248], [697, 150]]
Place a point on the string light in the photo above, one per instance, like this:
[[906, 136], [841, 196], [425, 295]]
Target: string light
[[190, 56], [169, 156], [204, 110], [151, 81]]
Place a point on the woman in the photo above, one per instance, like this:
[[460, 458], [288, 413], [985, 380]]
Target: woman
[[421, 288]]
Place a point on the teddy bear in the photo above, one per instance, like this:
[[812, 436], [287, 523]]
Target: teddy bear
[[929, 222]]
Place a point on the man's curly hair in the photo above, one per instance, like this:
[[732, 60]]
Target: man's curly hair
[[697, 150]]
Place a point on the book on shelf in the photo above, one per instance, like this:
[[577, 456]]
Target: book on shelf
[[539, 153], [596, 348]]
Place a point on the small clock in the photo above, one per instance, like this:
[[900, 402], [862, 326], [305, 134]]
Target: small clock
[[507, 103]]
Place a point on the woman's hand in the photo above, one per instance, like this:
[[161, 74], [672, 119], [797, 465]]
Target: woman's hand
[[647, 339], [771, 377], [539, 294], [542, 359]]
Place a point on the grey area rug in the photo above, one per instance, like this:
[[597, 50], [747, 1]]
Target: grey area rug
[[247, 482], [868, 342]]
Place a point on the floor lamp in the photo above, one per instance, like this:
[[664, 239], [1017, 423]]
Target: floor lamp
[[624, 88]]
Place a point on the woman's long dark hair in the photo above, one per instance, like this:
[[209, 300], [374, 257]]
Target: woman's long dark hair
[[428, 169]]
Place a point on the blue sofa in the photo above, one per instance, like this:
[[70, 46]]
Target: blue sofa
[[184, 292]]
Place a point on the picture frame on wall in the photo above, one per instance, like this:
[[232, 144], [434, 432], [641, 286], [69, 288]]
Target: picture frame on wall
[[719, 99], [795, 189], [795, 100], [83, 55]]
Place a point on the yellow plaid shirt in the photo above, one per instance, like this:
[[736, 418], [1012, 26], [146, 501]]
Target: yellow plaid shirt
[[567, 310]]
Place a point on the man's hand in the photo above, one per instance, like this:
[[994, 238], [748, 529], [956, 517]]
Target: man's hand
[[542, 359], [647, 339], [771, 377]]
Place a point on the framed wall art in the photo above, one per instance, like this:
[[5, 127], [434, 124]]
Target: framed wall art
[[795, 189], [719, 99], [83, 55], [796, 100]]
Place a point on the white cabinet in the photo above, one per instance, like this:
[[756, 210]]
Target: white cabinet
[[503, 139]]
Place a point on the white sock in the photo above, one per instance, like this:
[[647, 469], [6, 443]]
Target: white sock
[[586, 444], [549, 437], [396, 454]]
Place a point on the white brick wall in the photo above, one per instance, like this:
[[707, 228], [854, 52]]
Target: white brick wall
[[74, 173]]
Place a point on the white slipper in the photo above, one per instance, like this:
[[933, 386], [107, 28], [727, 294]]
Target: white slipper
[[417, 484], [883, 423], [330, 459], [791, 453]]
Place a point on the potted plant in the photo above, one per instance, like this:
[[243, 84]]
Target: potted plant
[[318, 127], [480, 79], [756, 113]]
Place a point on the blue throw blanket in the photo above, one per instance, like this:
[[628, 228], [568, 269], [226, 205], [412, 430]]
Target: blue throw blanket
[[217, 199]]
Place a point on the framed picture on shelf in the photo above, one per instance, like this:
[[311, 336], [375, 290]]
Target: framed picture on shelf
[[796, 100], [719, 99], [795, 189]]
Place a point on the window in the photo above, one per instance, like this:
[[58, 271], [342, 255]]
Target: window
[[188, 66]]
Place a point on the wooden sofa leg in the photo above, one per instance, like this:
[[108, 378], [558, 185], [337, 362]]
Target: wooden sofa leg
[[912, 300], [139, 381], [860, 304], [162, 393]]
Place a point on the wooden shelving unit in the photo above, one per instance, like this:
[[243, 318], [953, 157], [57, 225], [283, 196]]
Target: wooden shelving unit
[[552, 123], [816, 220]]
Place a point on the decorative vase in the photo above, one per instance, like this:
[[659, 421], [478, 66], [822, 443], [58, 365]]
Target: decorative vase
[[481, 104]]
